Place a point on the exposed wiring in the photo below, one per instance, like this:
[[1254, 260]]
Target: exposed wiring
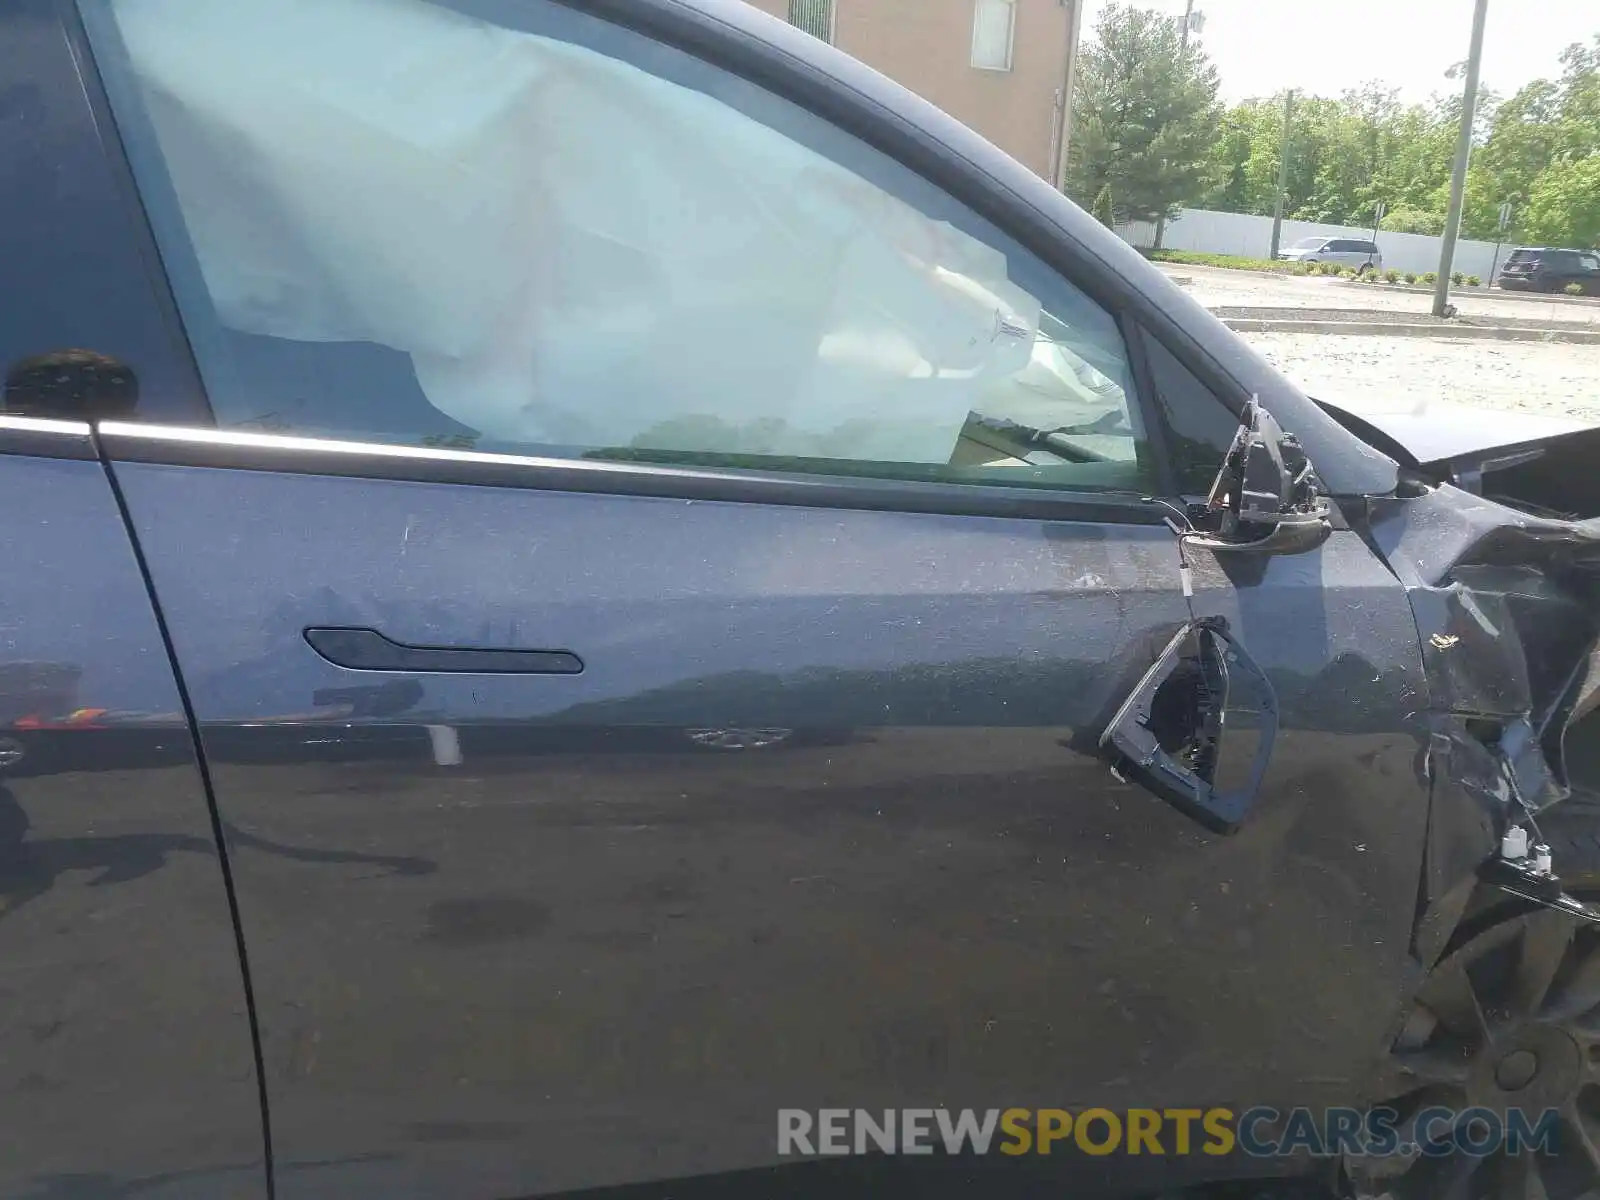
[[1516, 794], [1188, 525], [1182, 533]]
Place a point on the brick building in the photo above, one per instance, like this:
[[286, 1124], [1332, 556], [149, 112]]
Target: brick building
[[1001, 66]]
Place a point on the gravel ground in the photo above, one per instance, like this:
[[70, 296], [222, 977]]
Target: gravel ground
[[1376, 373], [1214, 287], [1384, 374]]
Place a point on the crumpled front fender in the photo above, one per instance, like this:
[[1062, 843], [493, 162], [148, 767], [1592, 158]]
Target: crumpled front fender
[[1507, 607]]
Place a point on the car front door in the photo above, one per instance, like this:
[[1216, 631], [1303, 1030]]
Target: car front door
[[1587, 275], [1559, 267], [651, 601]]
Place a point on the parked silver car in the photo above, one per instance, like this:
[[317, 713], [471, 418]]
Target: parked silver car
[[1347, 252]]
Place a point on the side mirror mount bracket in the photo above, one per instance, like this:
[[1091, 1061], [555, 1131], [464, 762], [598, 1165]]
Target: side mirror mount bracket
[[1267, 498]]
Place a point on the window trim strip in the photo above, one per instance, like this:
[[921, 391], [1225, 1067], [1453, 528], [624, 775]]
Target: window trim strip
[[289, 454], [41, 437]]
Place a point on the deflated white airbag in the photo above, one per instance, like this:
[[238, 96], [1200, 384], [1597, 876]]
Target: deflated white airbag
[[572, 251]]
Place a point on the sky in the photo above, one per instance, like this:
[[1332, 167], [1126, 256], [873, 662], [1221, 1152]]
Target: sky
[[1263, 46]]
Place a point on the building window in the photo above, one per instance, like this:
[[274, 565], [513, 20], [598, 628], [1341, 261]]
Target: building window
[[993, 26], [814, 16]]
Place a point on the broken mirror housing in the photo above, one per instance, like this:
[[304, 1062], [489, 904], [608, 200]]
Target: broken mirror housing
[[1168, 734]]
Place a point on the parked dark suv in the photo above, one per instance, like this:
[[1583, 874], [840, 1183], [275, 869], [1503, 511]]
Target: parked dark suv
[[594, 599], [1541, 269]]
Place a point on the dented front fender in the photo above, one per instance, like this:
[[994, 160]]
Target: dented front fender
[[1507, 607]]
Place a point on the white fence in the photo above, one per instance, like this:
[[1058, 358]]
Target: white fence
[[1251, 237]]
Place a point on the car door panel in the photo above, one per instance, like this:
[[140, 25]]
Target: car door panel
[[583, 813], [1588, 274], [819, 821], [126, 1042]]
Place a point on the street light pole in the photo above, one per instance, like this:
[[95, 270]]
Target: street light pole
[[1500, 239], [1188, 20], [1283, 173], [1458, 179]]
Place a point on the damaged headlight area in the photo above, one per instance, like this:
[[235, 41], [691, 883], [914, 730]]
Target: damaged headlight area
[[1507, 605], [1498, 549]]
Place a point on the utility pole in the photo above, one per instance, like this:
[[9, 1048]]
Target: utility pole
[[1188, 21], [1283, 174], [1458, 180], [1506, 211]]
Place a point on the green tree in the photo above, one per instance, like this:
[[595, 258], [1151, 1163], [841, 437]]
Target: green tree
[[1104, 211], [1540, 154], [1244, 161], [1579, 112], [1406, 219], [1231, 188], [1564, 206], [1537, 149], [1522, 141], [1345, 156], [1146, 116]]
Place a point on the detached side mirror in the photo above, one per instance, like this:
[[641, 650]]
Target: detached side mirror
[[1173, 736], [1267, 498]]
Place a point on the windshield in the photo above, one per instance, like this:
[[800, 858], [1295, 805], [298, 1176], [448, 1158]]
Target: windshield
[[1309, 244]]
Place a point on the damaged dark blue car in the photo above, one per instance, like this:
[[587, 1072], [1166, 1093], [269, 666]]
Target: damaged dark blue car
[[581, 576]]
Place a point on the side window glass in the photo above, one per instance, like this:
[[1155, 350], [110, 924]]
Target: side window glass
[[513, 227], [1199, 427]]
